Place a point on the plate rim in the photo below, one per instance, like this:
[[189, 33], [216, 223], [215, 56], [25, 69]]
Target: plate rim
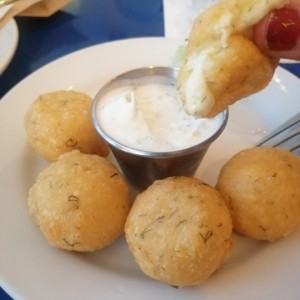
[[6, 97]]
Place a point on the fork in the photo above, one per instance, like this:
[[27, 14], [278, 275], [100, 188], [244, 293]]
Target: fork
[[285, 136]]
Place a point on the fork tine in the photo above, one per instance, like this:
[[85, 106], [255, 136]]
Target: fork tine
[[296, 147], [285, 126], [286, 136]]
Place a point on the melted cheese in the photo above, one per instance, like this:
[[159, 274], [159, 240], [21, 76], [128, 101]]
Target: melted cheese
[[239, 18]]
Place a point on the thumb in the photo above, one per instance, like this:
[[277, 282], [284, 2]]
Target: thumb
[[278, 34]]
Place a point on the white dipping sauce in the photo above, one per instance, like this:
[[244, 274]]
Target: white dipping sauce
[[151, 117]]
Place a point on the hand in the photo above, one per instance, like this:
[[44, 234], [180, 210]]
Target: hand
[[278, 34]]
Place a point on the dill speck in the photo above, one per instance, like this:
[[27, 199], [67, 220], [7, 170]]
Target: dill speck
[[207, 236], [262, 228], [158, 219], [75, 200], [146, 229], [181, 222], [203, 99], [71, 143], [68, 243], [173, 213]]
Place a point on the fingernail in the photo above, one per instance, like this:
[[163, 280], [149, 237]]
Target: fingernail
[[283, 30]]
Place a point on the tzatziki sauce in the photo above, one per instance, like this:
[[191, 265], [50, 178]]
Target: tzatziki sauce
[[150, 117]]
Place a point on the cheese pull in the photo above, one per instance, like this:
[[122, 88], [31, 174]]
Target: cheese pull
[[222, 64]]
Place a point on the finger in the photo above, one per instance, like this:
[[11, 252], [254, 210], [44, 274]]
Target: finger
[[278, 34]]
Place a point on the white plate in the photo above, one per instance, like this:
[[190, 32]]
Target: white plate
[[9, 36], [31, 269]]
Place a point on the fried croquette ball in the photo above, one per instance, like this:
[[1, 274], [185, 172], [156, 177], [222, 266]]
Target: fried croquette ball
[[222, 63], [60, 122], [179, 230], [261, 187], [80, 202]]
